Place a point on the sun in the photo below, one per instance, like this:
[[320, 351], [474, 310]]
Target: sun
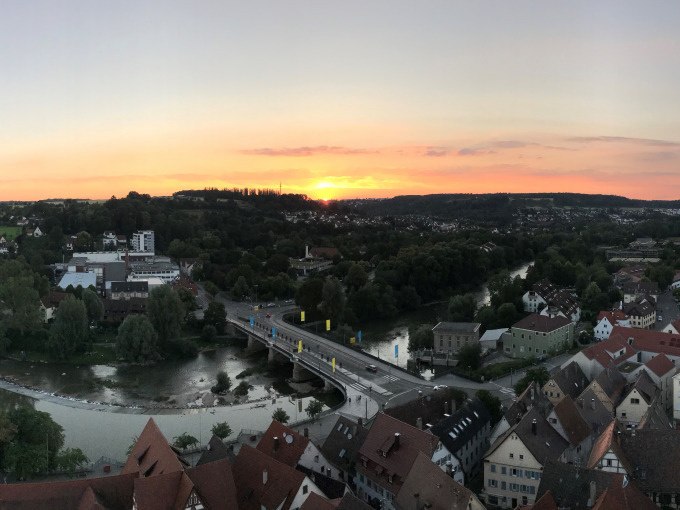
[[324, 190]]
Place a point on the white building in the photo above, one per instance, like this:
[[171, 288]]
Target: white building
[[144, 241], [606, 322]]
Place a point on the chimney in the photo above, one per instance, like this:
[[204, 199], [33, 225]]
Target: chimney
[[306, 251], [534, 423], [446, 407], [419, 423], [265, 477], [592, 403], [592, 496], [305, 432], [397, 435], [276, 444], [453, 406]]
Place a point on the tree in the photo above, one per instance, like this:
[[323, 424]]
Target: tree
[[184, 441], [486, 316], [314, 408], [70, 459], [309, 294], [166, 312], [187, 298], [93, 305], [19, 302], [215, 315], [208, 333], [492, 404], [223, 383], [137, 340], [240, 289], [506, 315], [277, 263], [70, 331], [356, 277], [470, 356], [221, 430], [280, 415], [420, 338], [211, 288], [462, 308], [332, 299], [538, 374], [242, 389]]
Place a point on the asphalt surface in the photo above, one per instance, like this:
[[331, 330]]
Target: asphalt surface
[[667, 308]]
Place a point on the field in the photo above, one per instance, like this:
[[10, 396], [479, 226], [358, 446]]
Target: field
[[10, 232]]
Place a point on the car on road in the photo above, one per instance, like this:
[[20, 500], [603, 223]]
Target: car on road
[[269, 316], [271, 305], [439, 387], [372, 368], [659, 318]]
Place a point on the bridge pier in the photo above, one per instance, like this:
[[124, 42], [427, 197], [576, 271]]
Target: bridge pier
[[300, 373], [274, 356], [327, 386], [254, 344]]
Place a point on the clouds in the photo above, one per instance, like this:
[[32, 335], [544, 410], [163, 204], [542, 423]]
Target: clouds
[[624, 140], [307, 151]]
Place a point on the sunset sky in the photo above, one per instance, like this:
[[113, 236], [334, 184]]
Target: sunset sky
[[339, 99]]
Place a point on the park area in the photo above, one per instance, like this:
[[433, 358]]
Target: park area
[[10, 232]]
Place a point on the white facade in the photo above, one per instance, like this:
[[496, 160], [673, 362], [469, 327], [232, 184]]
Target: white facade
[[632, 408], [533, 302], [144, 241], [676, 397], [306, 488], [604, 328], [313, 459]]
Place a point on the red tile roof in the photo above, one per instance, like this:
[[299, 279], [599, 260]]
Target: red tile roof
[[291, 445], [648, 340], [660, 365], [214, 482], [603, 352], [384, 457], [112, 493], [168, 491], [152, 454], [612, 317], [316, 502], [623, 495], [607, 441], [282, 481], [572, 422]]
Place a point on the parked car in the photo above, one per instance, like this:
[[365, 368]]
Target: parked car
[[372, 368], [439, 387]]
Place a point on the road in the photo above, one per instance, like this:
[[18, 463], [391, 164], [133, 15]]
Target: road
[[667, 309]]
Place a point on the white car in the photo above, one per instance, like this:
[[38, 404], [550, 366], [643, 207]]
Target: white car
[[439, 387]]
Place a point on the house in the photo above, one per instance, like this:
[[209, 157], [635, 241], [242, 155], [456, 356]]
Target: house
[[322, 252], [428, 487], [608, 387], [546, 299], [570, 486], [109, 240], [34, 232], [347, 502], [387, 455], [633, 273], [650, 457], [538, 335], [341, 446], [637, 399], [593, 411], [676, 281], [531, 398], [661, 370], [116, 310], [491, 339], [187, 266], [50, 303], [128, 290], [263, 482], [513, 464], [450, 337], [186, 283], [536, 299], [634, 291], [568, 422], [606, 322], [466, 435], [566, 381], [293, 449], [611, 352], [641, 314]]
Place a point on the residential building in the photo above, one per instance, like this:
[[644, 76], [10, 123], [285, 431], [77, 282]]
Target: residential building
[[672, 327], [116, 310], [50, 303], [641, 314], [606, 322], [609, 387], [322, 252], [546, 299], [428, 487], [568, 486], [347, 502], [514, 463], [128, 290], [538, 335], [568, 422], [466, 435], [531, 398], [593, 411], [341, 446], [263, 482], [637, 399], [676, 398], [293, 449], [635, 291], [566, 381], [166, 271], [450, 337], [109, 240], [387, 455], [144, 241]]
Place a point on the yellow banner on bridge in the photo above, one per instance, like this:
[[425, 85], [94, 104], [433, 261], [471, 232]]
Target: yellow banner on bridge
[[302, 316], [328, 324], [299, 345], [333, 364]]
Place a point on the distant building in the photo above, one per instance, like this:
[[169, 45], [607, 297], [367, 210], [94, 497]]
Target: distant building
[[538, 335], [606, 322], [450, 337], [84, 280], [144, 241], [129, 290]]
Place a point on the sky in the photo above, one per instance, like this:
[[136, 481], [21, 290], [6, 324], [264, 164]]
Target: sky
[[339, 99]]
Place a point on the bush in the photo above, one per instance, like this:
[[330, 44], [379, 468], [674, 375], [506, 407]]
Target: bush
[[223, 383], [221, 430], [208, 333], [242, 389]]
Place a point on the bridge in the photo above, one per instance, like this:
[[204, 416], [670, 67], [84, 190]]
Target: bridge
[[370, 389]]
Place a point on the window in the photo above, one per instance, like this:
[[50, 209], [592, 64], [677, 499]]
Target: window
[[609, 462], [305, 489], [504, 470], [634, 400], [493, 468], [512, 455], [521, 457], [503, 485]]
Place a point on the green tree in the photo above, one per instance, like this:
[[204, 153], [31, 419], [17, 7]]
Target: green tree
[[166, 312], [332, 303], [221, 430], [538, 374], [421, 337], [215, 315], [462, 308], [492, 404], [356, 277], [187, 298], [19, 303], [93, 305], [211, 288], [223, 383], [314, 408], [280, 415], [242, 389], [277, 263], [70, 459], [137, 340], [506, 315], [470, 356], [486, 316], [208, 333], [184, 441], [70, 331], [309, 294], [240, 289]]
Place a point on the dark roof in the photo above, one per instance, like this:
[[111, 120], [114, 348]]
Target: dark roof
[[114, 271], [531, 398], [641, 287], [214, 483], [110, 492], [456, 327], [137, 286], [341, 447], [541, 323], [570, 379], [638, 309], [316, 502], [216, 450], [330, 487], [459, 428], [350, 502], [434, 487], [430, 408], [655, 457], [645, 386], [163, 491], [593, 411], [152, 454], [283, 443], [655, 418], [546, 444], [570, 487], [574, 425], [612, 383]]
